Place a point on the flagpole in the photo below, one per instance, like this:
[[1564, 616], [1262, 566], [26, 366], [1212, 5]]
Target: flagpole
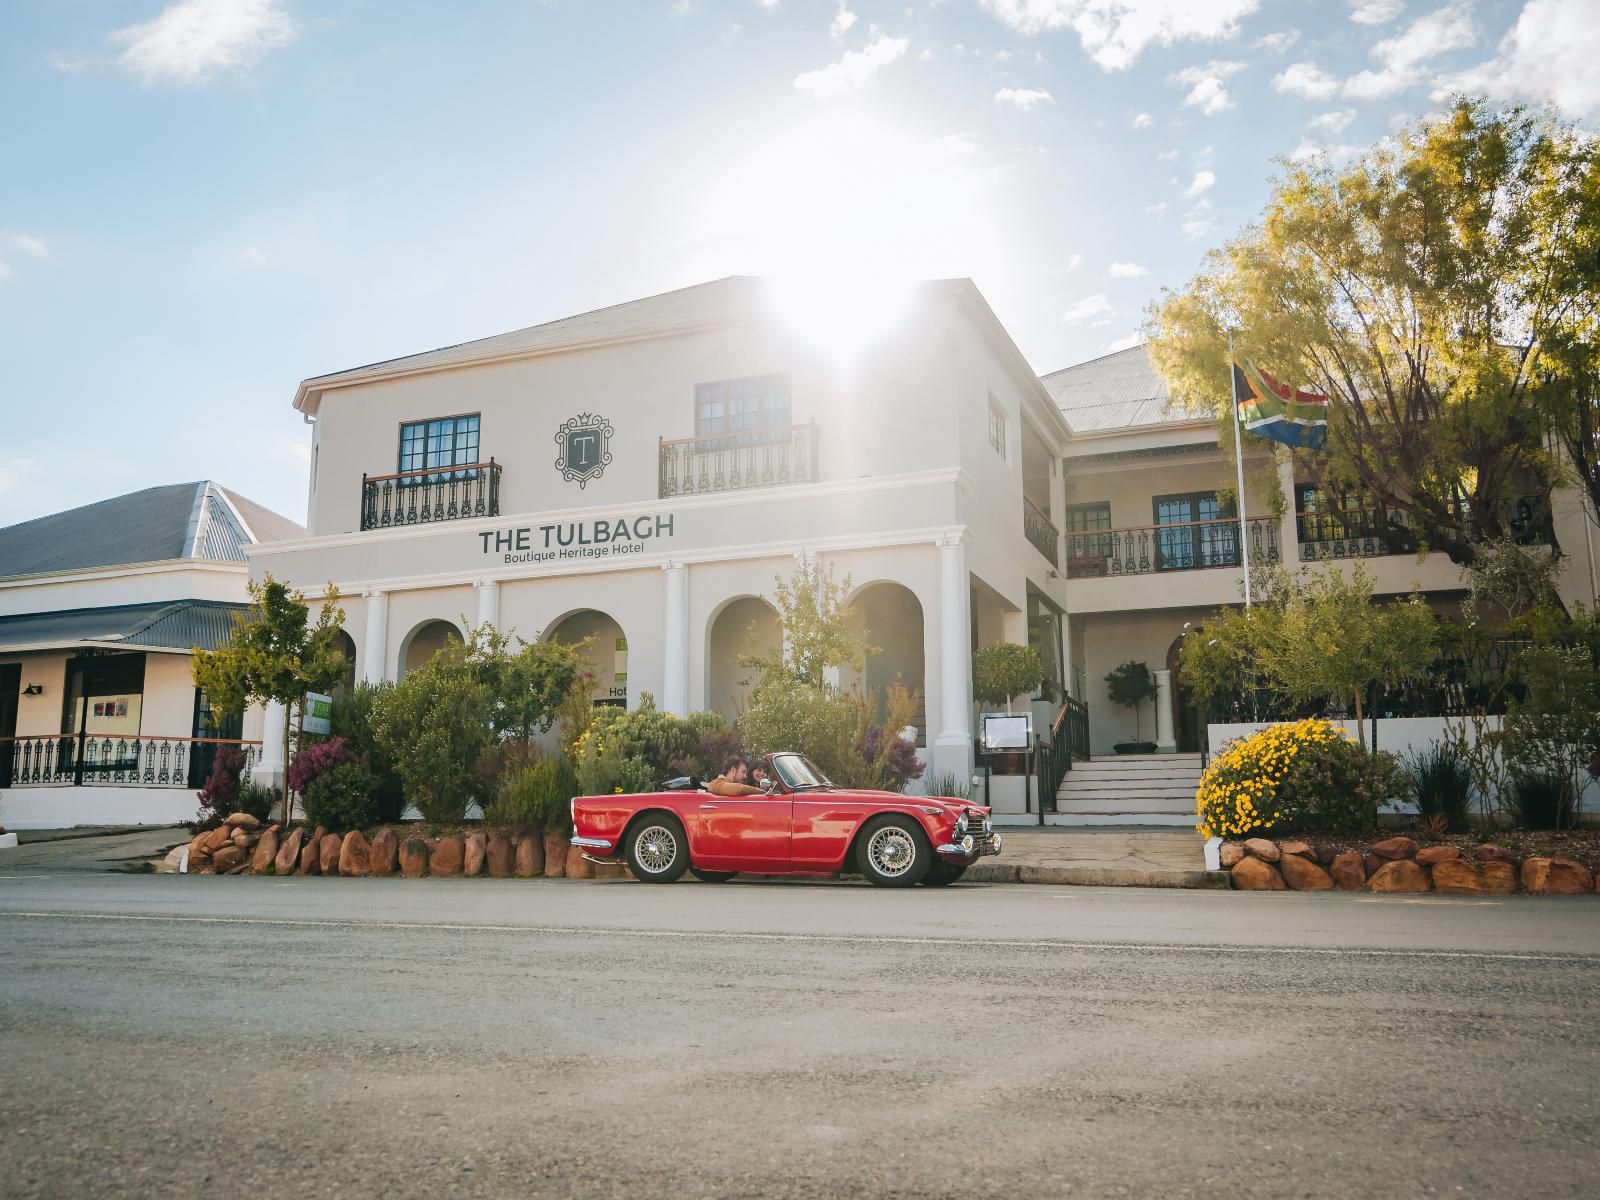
[[1238, 458]]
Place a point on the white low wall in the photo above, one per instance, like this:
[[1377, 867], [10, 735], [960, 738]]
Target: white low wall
[[61, 807]]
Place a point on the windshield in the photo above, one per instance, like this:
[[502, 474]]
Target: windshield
[[797, 772]]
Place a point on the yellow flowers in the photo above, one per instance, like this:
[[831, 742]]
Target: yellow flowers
[[1239, 793]]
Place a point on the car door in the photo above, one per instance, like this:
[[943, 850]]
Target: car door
[[741, 833]]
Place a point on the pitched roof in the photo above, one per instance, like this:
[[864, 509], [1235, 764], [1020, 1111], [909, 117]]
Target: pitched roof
[[200, 520], [1121, 390], [161, 625]]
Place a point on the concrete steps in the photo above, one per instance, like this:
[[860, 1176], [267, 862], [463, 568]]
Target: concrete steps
[[1129, 789]]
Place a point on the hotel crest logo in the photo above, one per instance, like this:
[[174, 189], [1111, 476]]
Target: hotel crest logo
[[585, 442]]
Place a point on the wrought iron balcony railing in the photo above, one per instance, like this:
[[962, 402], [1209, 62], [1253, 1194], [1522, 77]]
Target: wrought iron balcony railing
[[748, 458], [1037, 528], [1192, 545], [1358, 532], [436, 494], [137, 761]]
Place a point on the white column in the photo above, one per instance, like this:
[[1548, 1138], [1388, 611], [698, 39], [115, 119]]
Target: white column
[[675, 642], [488, 602], [1165, 741], [1289, 529], [955, 649], [374, 655], [269, 767]]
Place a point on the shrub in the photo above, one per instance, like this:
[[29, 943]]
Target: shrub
[[604, 767], [1306, 776], [219, 796], [837, 729], [257, 799], [341, 798], [503, 759], [948, 784], [1540, 800], [1442, 785], [434, 727], [1004, 670], [666, 744], [312, 762], [533, 796], [352, 721]]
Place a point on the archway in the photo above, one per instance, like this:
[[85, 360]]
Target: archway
[[423, 642], [889, 615], [746, 625], [608, 651], [346, 646], [1188, 721]]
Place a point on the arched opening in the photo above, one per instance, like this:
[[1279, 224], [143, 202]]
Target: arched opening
[[346, 645], [889, 615], [747, 625], [608, 651], [423, 642]]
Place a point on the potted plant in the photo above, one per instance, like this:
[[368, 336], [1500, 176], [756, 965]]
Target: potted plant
[[1130, 685]]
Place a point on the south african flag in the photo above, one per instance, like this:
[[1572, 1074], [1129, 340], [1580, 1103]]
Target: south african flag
[[1278, 411]]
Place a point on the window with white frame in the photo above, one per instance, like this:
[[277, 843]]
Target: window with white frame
[[997, 427], [737, 405]]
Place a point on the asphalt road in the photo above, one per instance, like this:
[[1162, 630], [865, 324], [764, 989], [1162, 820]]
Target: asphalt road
[[169, 1036]]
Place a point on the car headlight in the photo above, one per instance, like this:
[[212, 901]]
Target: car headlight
[[962, 824]]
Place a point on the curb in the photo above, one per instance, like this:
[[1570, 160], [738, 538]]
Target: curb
[[1095, 877]]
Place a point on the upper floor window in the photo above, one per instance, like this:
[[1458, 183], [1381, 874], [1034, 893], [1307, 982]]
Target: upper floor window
[[735, 405], [1195, 530], [997, 427], [441, 442], [1086, 518]]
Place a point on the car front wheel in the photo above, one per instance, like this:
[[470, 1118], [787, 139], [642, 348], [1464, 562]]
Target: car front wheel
[[894, 852], [657, 850]]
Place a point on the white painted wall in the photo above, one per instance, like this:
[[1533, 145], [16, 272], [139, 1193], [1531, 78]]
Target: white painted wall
[[65, 806]]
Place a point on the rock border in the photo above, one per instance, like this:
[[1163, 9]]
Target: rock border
[[1399, 865]]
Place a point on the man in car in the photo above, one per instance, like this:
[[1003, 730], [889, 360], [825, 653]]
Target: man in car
[[732, 780]]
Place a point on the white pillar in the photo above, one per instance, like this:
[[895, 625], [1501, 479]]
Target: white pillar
[[488, 602], [374, 655], [1289, 529], [269, 767], [955, 654], [1165, 741], [675, 642]]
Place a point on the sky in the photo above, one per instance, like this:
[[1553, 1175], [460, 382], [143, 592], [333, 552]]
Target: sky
[[204, 202]]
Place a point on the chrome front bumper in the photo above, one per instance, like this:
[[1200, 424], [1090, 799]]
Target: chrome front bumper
[[970, 848]]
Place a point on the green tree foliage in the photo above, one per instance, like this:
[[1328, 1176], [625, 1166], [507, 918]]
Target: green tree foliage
[[352, 721], [1440, 288], [434, 726], [527, 681], [816, 618], [342, 798], [1004, 670], [533, 797], [274, 654], [837, 729], [1555, 729], [1130, 685], [1312, 636]]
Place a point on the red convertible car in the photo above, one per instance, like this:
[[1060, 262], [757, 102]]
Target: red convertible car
[[802, 825]]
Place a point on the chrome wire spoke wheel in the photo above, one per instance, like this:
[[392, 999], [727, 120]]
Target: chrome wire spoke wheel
[[656, 849], [892, 851]]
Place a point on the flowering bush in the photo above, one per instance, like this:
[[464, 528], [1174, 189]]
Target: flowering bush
[[1303, 776], [603, 765], [341, 798], [309, 764]]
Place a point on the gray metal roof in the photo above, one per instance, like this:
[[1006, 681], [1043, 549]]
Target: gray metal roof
[[200, 520], [1122, 390], [163, 625]]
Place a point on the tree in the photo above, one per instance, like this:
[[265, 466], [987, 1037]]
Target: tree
[[1004, 670], [1440, 289], [272, 654], [1313, 636], [1555, 728], [434, 726], [527, 684], [815, 616], [1130, 685]]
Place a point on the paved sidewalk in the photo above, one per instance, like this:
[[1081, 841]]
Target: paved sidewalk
[[1129, 856]]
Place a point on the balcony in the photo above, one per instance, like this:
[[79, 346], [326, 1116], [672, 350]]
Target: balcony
[[140, 760], [731, 462], [1358, 532], [458, 493], [1044, 536], [1155, 549]]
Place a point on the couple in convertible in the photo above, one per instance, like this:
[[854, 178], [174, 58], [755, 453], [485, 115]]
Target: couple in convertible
[[736, 780]]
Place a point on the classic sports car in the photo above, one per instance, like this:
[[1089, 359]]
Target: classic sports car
[[802, 825]]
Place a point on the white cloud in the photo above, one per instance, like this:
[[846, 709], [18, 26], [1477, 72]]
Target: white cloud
[[1126, 270], [1333, 122], [1375, 12], [1156, 209], [1116, 32], [1122, 343], [1092, 311], [1206, 85], [1074, 261], [1276, 42], [855, 70], [843, 19], [1306, 79], [67, 66], [1197, 226], [1024, 99], [1402, 56], [192, 39], [29, 244], [1552, 53], [1308, 151], [769, 5], [1167, 155], [1143, 121], [253, 254], [1204, 181]]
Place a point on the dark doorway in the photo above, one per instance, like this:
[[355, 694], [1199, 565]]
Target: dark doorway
[[1188, 722], [10, 685]]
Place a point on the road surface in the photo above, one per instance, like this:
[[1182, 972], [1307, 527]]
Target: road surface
[[170, 1036]]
